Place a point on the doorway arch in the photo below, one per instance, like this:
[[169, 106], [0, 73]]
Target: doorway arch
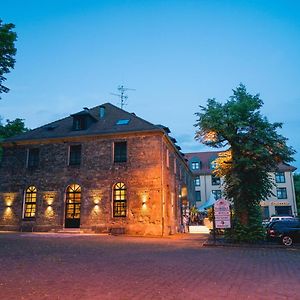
[[73, 206]]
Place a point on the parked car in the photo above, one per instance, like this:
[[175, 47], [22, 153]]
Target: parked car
[[282, 218], [266, 222], [286, 232]]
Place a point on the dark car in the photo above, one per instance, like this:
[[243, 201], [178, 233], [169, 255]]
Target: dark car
[[286, 232]]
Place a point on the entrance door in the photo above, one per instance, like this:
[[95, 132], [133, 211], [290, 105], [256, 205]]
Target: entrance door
[[73, 201], [283, 210]]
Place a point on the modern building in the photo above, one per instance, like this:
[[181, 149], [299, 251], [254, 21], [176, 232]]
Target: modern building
[[101, 169], [207, 185]]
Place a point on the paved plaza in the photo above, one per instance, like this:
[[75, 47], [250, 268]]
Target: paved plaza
[[65, 266]]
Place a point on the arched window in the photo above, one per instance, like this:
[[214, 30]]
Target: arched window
[[30, 202], [119, 200], [73, 201]]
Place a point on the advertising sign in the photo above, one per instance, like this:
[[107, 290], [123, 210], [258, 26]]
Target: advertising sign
[[222, 214]]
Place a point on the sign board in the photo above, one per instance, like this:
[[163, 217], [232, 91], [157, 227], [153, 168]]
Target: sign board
[[222, 213], [223, 224], [280, 203]]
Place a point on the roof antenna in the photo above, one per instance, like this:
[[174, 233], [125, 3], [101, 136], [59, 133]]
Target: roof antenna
[[121, 95]]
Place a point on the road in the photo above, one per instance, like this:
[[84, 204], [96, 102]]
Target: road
[[62, 266]]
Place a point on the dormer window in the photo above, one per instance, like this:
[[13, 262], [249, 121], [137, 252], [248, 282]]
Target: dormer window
[[79, 123], [195, 164], [83, 120]]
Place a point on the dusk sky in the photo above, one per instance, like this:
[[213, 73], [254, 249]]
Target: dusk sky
[[176, 54]]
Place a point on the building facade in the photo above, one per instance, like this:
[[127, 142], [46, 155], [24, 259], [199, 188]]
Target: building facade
[[207, 185], [102, 169]]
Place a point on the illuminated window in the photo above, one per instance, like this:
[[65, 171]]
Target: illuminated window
[[30, 202], [195, 165], [197, 181], [215, 180], [281, 193], [217, 194], [213, 164], [119, 200], [33, 158], [279, 177], [120, 151], [75, 155]]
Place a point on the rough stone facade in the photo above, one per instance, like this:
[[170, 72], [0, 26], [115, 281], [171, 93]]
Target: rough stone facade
[[155, 175]]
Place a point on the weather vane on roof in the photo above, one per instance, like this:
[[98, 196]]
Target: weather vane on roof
[[122, 96]]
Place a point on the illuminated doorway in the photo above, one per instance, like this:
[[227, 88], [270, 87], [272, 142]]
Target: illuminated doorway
[[73, 202]]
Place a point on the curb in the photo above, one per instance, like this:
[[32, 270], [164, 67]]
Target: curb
[[253, 246]]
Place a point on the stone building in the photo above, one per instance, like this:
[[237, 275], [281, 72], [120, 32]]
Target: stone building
[[102, 169], [208, 185]]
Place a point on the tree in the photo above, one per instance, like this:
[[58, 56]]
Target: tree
[[194, 215], [11, 128], [254, 148], [7, 52]]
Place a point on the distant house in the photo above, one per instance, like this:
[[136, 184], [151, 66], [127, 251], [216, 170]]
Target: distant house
[[208, 185], [101, 169]]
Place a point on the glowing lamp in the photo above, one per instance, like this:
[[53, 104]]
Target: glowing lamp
[[49, 198], [96, 200], [9, 199]]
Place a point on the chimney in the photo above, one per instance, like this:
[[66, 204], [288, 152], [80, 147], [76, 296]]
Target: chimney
[[86, 109], [101, 112]]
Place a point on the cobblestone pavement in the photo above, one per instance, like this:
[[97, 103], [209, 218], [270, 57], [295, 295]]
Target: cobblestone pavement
[[53, 266]]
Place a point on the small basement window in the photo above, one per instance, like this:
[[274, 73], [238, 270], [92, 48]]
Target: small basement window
[[122, 122]]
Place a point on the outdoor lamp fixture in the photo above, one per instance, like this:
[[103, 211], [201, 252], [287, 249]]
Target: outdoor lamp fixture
[[49, 198], [96, 200], [8, 199], [144, 199]]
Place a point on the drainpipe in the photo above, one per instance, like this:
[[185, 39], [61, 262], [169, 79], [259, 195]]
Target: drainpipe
[[205, 191], [293, 195]]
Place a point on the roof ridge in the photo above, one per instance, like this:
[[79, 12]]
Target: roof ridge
[[62, 127]]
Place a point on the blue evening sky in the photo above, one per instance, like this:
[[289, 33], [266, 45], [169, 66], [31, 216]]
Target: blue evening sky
[[176, 54]]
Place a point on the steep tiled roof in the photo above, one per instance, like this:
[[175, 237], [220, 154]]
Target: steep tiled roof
[[207, 157], [106, 125], [284, 167]]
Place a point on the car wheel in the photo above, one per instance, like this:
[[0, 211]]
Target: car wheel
[[287, 240]]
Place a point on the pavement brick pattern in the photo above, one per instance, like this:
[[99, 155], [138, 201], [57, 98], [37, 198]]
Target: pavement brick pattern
[[45, 266]]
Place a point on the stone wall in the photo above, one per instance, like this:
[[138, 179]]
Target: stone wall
[[97, 173]]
